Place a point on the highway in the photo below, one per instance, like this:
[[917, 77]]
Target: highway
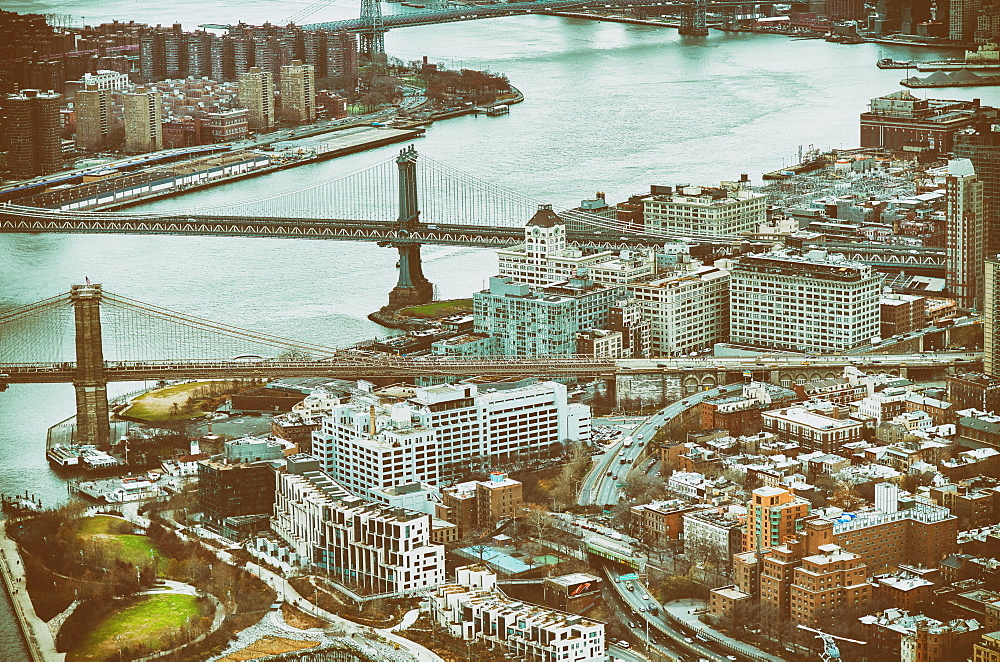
[[600, 486]]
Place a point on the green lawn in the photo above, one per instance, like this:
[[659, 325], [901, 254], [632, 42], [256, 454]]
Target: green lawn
[[148, 622], [158, 405], [103, 524], [135, 549], [438, 308]]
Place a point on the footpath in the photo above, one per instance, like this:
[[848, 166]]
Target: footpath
[[41, 645]]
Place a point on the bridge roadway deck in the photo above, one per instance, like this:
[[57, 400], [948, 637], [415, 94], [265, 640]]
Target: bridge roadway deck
[[546, 368], [415, 19], [23, 220]]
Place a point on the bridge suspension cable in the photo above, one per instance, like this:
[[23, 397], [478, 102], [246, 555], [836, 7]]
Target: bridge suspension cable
[[41, 331]]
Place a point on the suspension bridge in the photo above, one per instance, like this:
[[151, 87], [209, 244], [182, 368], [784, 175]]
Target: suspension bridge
[[371, 26], [404, 209], [90, 337]]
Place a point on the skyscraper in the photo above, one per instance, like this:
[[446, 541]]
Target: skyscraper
[[143, 121], [982, 147], [257, 94], [965, 217], [991, 317], [33, 132], [298, 93], [93, 116]]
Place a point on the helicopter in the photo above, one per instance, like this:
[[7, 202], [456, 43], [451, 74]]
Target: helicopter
[[830, 651]]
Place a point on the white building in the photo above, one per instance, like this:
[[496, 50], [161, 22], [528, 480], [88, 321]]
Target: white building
[[444, 431], [545, 257], [365, 545], [696, 210], [816, 302], [473, 610], [686, 310]]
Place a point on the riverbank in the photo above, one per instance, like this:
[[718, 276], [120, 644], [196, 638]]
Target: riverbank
[[37, 636]]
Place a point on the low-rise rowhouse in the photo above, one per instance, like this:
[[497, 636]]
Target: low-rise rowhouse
[[473, 609]]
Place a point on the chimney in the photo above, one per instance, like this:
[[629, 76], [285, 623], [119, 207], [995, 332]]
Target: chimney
[[371, 421]]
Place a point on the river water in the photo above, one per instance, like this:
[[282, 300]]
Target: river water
[[609, 107]]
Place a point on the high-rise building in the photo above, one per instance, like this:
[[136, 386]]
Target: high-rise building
[[697, 210], [845, 10], [298, 93], [143, 121], [991, 317], [811, 302], [257, 95], [774, 514], [93, 116], [982, 147], [962, 18], [965, 218], [33, 132], [686, 310]]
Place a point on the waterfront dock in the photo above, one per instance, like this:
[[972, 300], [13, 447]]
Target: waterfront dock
[[40, 641]]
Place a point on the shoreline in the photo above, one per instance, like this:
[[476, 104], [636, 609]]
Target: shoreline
[[38, 639]]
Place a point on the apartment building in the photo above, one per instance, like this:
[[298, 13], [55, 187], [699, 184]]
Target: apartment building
[[696, 210], [991, 317], [368, 546], [774, 515], [257, 94], [298, 93], [660, 522], [445, 431], [543, 321], [811, 302], [965, 215], [481, 504], [825, 582], [810, 430], [472, 609], [143, 121], [93, 116], [712, 534], [686, 310], [33, 132]]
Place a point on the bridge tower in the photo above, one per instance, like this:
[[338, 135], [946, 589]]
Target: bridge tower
[[372, 41], [412, 288], [695, 22], [92, 421]]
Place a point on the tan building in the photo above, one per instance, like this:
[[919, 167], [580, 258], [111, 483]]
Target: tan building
[[810, 430], [774, 515], [826, 581], [257, 95], [721, 600], [988, 648], [93, 116], [965, 214], [298, 93], [143, 121], [991, 317], [496, 499]]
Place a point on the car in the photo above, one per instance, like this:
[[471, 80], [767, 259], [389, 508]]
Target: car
[[631, 624], [688, 640], [628, 586], [731, 657], [622, 643], [609, 474], [615, 477], [644, 596]]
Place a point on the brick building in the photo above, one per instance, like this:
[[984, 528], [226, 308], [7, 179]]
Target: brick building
[[826, 581], [900, 120]]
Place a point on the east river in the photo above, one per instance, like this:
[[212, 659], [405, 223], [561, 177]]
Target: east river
[[609, 107]]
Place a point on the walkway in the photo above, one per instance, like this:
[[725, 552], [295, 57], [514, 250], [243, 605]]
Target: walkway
[[683, 610], [36, 633], [279, 584]]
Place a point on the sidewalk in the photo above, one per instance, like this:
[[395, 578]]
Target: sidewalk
[[40, 641], [683, 610]]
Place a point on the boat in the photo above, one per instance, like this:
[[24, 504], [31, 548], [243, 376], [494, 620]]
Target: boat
[[956, 65], [889, 63], [962, 78]]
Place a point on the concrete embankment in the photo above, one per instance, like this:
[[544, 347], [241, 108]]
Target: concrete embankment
[[41, 645]]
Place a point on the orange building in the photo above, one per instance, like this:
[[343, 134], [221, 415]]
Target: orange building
[[774, 515]]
